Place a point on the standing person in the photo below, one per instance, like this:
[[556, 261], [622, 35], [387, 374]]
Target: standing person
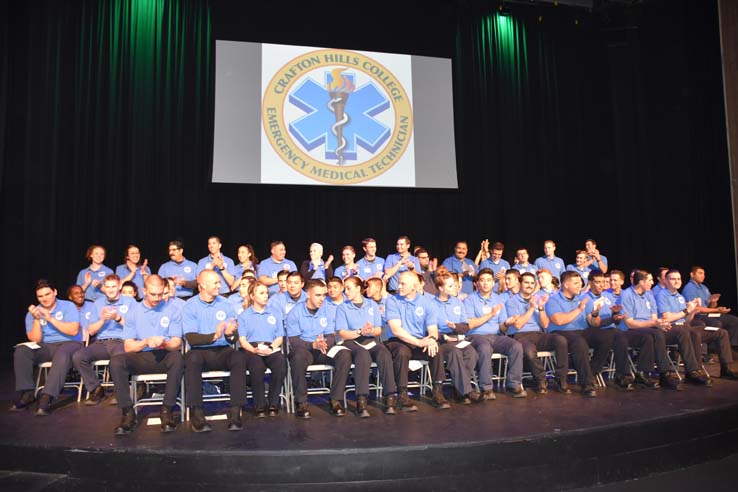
[[133, 269], [315, 267], [521, 262], [550, 261], [595, 260], [152, 337], [399, 262], [580, 267], [53, 327], [260, 335], [181, 270], [359, 324], [370, 265], [106, 331], [91, 277], [349, 267], [495, 262], [459, 263], [218, 263], [247, 260], [269, 268], [427, 270], [210, 328]]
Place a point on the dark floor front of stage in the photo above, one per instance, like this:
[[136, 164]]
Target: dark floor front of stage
[[557, 440]]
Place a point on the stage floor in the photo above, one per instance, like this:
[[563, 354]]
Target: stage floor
[[507, 436]]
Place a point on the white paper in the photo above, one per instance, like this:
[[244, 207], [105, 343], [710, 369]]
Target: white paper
[[334, 350], [30, 345], [415, 365], [263, 346], [369, 345], [463, 344], [713, 315], [711, 328]]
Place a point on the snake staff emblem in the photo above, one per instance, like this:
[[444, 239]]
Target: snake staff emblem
[[339, 89]]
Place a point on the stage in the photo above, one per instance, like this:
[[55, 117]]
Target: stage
[[542, 442]]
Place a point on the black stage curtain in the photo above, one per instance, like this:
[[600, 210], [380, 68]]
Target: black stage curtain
[[569, 124]]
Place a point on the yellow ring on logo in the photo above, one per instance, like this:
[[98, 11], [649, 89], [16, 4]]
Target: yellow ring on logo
[[291, 152]]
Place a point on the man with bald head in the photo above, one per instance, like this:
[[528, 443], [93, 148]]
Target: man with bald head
[[210, 328]]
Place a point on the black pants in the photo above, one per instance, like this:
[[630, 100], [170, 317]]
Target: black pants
[[643, 340], [59, 353], [150, 362], [403, 353], [362, 367], [717, 340], [728, 322], [97, 350], [302, 354], [460, 363], [198, 361], [536, 341], [679, 335], [579, 350], [257, 366]]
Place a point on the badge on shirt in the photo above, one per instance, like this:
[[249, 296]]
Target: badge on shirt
[[208, 266], [58, 316], [187, 269], [220, 315], [324, 322], [557, 266], [271, 320], [123, 309], [164, 322], [100, 273], [370, 311], [419, 311], [457, 310], [487, 309]]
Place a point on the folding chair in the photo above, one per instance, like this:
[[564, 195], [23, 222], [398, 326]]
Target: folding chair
[[375, 386]]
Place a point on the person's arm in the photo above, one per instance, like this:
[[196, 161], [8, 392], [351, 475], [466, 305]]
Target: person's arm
[[562, 318], [404, 335]]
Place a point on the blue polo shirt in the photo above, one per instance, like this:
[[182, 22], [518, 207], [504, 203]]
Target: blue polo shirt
[[614, 295], [692, 291], [203, 317], [340, 272], [449, 310], [177, 303], [558, 303], [640, 307], [391, 261], [584, 273], [370, 268], [301, 322], [517, 306], [453, 264], [495, 267], [93, 293], [605, 311], [595, 265], [530, 268], [349, 316], [238, 269], [237, 302], [111, 329], [415, 315], [85, 313], [62, 311], [270, 268], [186, 270], [318, 272], [284, 302], [206, 263], [666, 302], [144, 322], [554, 265], [477, 306], [261, 327], [330, 309], [123, 271]]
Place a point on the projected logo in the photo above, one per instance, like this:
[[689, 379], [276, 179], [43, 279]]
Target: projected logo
[[337, 116]]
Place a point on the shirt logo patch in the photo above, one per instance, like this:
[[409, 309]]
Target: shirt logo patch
[[288, 308], [681, 300], [220, 315], [271, 320], [100, 273], [648, 304], [187, 269], [607, 301], [87, 315], [58, 316], [419, 311], [323, 322], [557, 266], [367, 270], [208, 266], [164, 322], [487, 309], [370, 311], [123, 309], [457, 310], [43, 322]]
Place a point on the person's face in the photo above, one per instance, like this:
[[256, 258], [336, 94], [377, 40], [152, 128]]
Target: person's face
[[243, 287], [153, 293], [315, 251], [461, 250], [527, 285], [616, 282], [424, 260], [348, 256], [402, 246], [260, 295], [134, 255], [449, 287], [698, 275], [282, 282], [370, 249], [607, 283], [647, 283], [335, 289], [581, 258], [544, 278], [279, 252], [373, 289], [352, 291], [76, 295], [316, 296], [244, 254], [511, 281], [175, 253], [496, 254], [128, 291], [573, 286], [210, 284], [597, 285], [111, 288], [170, 289], [522, 256], [98, 255], [485, 283], [590, 246], [214, 246], [46, 297], [408, 284], [674, 281], [549, 248], [294, 285]]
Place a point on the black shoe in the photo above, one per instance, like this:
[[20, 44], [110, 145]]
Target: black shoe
[[645, 381], [168, 423], [24, 400], [589, 391], [407, 403], [624, 382], [260, 412], [96, 396], [669, 380], [337, 408], [390, 403], [488, 395], [517, 392], [562, 386], [708, 359], [439, 400], [699, 378], [302, 411], [44, 406], [475, 396], [361, 410], [197, 420], [463, 399], [234, 419], [541, 387], [273, 410], [127, 422], [727, 372]]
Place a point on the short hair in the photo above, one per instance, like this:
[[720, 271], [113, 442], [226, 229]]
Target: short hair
[[292, 275], [544, 270], [461, 242], [215, 237], [695, 268], [372, 280], [527, 274], [639, 275], [368, 240], [663, 269], [93, 247], [314, 283], [348, 246], [75, 286], [596, 274], [520, 249], [569, 274], [405, 238], [177, 244], [581, 252], [111, 276], [590, 240], [485, 271], [335, 280], [618, 273], [283, 273], [421, 250], [129, 283], [549, 241], [43, 283], [514, 272], [275, 243], [673, 270], [498, 245]]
